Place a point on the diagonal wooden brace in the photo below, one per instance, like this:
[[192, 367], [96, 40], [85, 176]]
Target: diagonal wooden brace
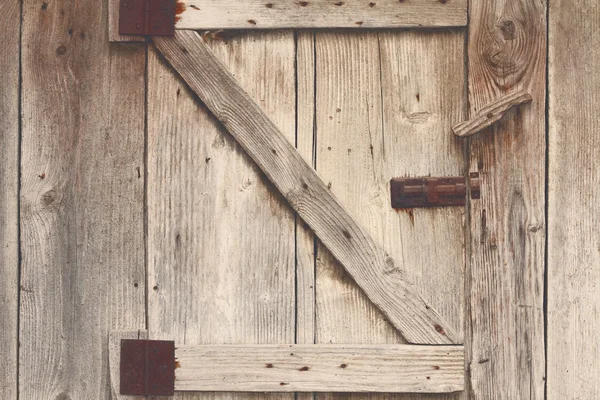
[[384, 282]]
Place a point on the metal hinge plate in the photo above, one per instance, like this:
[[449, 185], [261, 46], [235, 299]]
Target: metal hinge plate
[[433, 192], [147, 367], [147, 17]]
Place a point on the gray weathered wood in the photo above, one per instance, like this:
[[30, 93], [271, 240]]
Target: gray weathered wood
[[220, 240], [507, 52], [372, 268], [114, 359], [82, 191], [574, 202], [382, 107], [9, 182], [491, 113], [320, 368]]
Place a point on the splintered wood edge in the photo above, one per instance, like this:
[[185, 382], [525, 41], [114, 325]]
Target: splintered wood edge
[[491, 113], [349, 368], [370, 266], [114, 359]]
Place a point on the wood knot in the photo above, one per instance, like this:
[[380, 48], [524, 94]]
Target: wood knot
[[508, 29]]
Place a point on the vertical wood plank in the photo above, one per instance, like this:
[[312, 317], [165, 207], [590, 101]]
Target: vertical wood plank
[[507, 52], [221, 242], [82, 193], [573, 211], [9, 182], [305, 238], [384, 108]]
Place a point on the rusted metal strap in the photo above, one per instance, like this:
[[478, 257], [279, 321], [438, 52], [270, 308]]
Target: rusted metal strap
[[433, 192], [147, 17], [147, 367]]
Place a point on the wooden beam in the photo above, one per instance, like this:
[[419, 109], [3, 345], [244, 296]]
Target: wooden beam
[[320, 368], [491, 113], [507, 52], [10, 28], [82, 198], [384, 282], [573, 201], [277, 14]]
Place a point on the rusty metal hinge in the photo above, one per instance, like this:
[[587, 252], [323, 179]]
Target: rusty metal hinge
[[147, 17], [147, 367], [433, 192]]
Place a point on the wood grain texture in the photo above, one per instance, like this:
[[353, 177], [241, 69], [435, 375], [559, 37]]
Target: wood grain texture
[[320, 368], [507, 52], [114, 360], [277, 14], [221, 242], [82, 191], [382, 110], [573, 203], [113, 25], [491, 113], [372, 268], [9, 185]]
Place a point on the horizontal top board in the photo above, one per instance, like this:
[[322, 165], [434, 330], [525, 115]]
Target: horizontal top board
[[280, 14]]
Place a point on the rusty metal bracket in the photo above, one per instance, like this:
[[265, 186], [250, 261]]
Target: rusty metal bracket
[[147, 367], [433, 192], [147, 17]]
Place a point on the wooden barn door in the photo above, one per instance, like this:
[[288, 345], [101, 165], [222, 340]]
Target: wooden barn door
[[230, 262]]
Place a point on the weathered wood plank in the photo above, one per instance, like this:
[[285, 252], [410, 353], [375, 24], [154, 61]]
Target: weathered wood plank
[[507, 52], [374, 123], [491, 113], [82, 193], [277, 14], [9, 185], [573, 203], [320, 368], [305, 238], [221, 242], [373, 269]]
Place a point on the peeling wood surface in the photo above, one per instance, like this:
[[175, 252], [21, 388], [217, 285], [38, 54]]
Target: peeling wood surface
[[507, 52], [386, 283], [82, 228], [221, 242], [574, 202], [277, 14], [372, 124], [320, 368], [491, 113], [9, 181]]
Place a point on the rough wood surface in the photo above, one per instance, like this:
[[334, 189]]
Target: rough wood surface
[[113, 25], [82, 193], [573, 203], [507, 52], [221, 242], [372, 268], [9, 182], [372, 124], [491, 113], [114, 360], [277, 14], [320, 368]]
